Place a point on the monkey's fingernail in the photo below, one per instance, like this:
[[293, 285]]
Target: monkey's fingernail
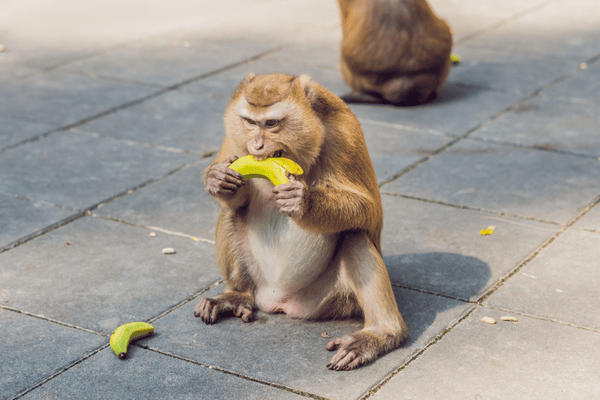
[[328, 365]]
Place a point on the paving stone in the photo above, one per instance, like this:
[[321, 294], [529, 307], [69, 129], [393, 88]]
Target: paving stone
[[32, 350], [583, 86], [561, 283], [529, 359], [469, 17], [109, 274], [393, 149], [566, 29], [177, 203], [62, 99], [20, 218], [440, 249], [10, 73], [292, 352], [146, 374], [225, 83], [493, 69], [548, 124], [555, 187], [16, 131], [76, 170], [591, 220], [445, 114], [180, 120], [175, 57]]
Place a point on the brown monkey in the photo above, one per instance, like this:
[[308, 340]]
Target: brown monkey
[[398, 50], [309, 248]]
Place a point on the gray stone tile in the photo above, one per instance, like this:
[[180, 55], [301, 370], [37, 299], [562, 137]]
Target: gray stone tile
[[324, 55], [393, 149], [581, 87], [10, 73], [16, 131], [20, 218], [189, 121], [492, 69], [109, 274], [591, 220], [32, 350], [561, 283], [447, 113], [529, 359], [78, 171], [440, 249], [548, 124], [530, 183], [292, 352], [174, 57], [62, 99], [177, 203], [225, 83], [565, 29], [149, 375], [469, 17]]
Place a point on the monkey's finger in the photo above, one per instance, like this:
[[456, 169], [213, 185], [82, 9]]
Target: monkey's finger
[[288, 194], [247, 315], [231, 159], [333, 344]]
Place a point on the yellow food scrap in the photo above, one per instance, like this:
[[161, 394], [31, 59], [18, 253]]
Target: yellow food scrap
[[455, 58], [488, 320], [487, 231]]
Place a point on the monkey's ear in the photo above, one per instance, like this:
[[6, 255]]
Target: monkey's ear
[[248, 78], [308, 87]]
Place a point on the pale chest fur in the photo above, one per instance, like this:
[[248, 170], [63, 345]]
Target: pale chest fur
[[285, 260]]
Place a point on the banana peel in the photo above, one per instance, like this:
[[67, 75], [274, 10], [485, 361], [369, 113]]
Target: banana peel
[[275, 169], [126, 334]]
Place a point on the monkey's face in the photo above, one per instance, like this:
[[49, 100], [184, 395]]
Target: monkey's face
[[265, 130], [270, 116]]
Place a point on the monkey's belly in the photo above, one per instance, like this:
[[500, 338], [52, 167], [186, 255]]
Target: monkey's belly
[[289, 265]]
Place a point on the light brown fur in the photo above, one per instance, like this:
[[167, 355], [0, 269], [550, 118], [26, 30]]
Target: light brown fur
[[398, 50], [311, 247]]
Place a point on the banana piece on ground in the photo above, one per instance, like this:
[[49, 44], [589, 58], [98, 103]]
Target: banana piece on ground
[[127, 333], [275, 169]]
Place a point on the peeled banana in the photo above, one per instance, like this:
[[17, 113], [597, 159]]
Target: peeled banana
[[275, 169], [127, 333]]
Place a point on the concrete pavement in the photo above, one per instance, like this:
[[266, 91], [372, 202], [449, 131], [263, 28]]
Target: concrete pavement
[[109, 111]]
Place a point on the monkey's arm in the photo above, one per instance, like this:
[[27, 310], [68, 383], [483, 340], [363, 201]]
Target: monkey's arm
[[329, 207]]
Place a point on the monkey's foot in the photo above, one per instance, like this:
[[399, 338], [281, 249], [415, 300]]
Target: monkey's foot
[[355, 350], [239, 304]]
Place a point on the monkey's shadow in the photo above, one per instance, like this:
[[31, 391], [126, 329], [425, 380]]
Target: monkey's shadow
[[450, 92], [434, 288]]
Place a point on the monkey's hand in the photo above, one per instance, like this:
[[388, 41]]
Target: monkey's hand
[[222, 181], [291, 197]]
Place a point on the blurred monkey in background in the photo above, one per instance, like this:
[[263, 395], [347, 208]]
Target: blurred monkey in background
[[394, 50]]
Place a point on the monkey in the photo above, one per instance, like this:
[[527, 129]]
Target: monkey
[[309, 248], [395, 50]]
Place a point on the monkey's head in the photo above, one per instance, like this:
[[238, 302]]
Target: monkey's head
[[272, 116]]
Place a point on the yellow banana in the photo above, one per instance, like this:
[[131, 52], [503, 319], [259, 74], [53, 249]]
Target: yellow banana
[[275, 169], [127, 333]]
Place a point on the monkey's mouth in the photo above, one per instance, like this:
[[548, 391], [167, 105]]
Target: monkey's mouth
[[278, 153]]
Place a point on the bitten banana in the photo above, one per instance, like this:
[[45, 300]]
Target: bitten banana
[[127, 333], [275, 169]]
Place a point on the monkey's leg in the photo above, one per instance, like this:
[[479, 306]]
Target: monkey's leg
[[237, 298], [240, 304], [363, 271]]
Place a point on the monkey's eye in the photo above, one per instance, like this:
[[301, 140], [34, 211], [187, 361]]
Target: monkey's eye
[[249, 121], [271, 122]]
